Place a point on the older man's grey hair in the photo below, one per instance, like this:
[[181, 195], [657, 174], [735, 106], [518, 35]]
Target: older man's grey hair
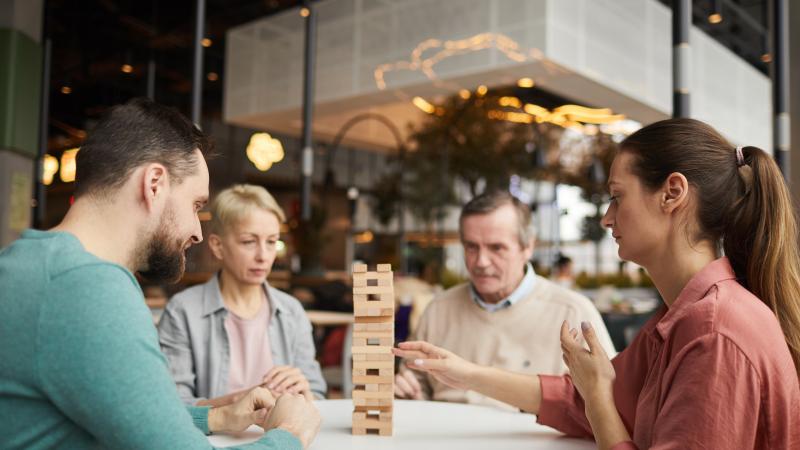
[[489, 202]]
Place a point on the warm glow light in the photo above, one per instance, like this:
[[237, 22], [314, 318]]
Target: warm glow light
[[481, 91], [525, 83], [515, 117], [212, 76], [264, 151], [510, 101], [126, 68], [304, 12], [465, 94], [66, 90], [363, 238], [206, 42], [715, 18], [49, 169], [423, 104], [766, 57], [67, 173]]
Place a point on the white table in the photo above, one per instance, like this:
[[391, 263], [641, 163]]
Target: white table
[[421, 425]]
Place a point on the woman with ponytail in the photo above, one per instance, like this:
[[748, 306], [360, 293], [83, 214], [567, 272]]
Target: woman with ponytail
[[717, 367]]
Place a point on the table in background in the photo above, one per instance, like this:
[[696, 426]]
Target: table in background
[[421, 425]]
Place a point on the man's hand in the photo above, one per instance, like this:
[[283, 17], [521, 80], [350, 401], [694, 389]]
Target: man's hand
[[251, 408], [407, 386], [281, 379], [296, 414]]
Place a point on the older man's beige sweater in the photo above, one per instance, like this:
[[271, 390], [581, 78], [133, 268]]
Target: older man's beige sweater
[[522, 338]]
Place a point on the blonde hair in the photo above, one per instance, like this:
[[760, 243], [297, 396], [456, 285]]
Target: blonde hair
[[233, 203]]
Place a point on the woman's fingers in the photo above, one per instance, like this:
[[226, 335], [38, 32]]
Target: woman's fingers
[[410, 354], [424, 347]]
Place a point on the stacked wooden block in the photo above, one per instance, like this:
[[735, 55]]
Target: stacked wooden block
[[373, 338]]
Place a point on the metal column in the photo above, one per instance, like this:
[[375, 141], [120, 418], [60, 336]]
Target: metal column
[[681, 56]]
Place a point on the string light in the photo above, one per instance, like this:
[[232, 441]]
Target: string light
[[423, 104], [445, 49], [525, 83]]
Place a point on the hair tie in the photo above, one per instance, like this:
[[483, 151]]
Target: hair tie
[[739, 156]]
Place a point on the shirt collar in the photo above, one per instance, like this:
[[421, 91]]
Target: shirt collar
[[697, 288], [212, 297], [522, 291]]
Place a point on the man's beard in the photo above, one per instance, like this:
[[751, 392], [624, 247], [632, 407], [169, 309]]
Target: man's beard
[[163, 254]]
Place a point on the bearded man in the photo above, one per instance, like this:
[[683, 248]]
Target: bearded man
[[80, 364]]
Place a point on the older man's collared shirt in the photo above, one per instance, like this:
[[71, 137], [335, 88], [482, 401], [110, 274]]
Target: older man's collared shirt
[[522, 291]]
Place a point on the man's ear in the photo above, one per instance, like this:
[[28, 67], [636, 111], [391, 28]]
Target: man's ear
[[215, 244], [675, 192], [529, 249], [154, 184]]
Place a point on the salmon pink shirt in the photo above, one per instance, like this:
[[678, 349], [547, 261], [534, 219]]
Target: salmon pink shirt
[[713, 371]]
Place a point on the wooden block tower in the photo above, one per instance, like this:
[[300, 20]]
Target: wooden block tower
[[373, 338]]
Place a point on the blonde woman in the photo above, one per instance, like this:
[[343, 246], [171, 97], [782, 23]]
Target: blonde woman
[[236, 331]]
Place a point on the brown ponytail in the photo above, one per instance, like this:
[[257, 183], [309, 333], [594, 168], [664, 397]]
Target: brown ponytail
[[761, 242], [747, 208]]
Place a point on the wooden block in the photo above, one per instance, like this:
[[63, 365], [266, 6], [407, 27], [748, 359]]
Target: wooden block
[[373, 409], [367, 379], [389, 365], [360, 357], [359, 341], [373, 290], [359, 281], [374, 312], [372, 395], [372, 320], [380, 326], [371, 423], [386, 387], [384, 371], [374, 334], [385, 303], [384, 282], [384, 267], [385, 431], [372, 387], [359, 268], [359, 431], [379, 357], [359, 372], [366, 349]]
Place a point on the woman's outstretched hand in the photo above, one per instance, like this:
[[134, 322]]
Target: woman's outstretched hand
[[444, 366]]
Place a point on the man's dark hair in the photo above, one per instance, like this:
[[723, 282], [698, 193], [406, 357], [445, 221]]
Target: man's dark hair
[[130, 135]]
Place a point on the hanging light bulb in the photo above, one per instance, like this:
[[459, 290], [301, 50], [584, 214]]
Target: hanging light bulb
[[264, 151]]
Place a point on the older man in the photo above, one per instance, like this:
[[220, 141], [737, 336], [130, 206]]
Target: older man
[[506, 316]]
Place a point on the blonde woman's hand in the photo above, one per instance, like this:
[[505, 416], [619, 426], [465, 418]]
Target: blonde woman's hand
[[281, 379]]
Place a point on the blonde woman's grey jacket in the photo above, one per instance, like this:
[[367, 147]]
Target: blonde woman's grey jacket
[[193, 338]]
